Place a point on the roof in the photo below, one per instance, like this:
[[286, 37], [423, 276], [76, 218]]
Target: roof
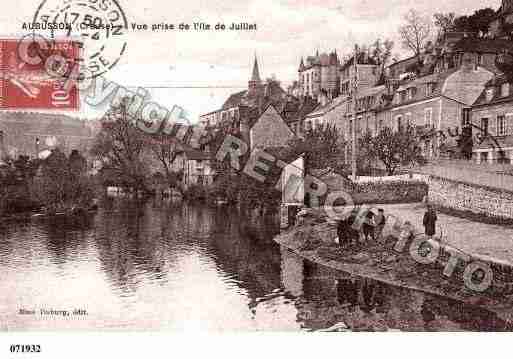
[[271, 92], [408, 59], [299, 110], [371, 91], [363, 59], [194, 154], [255, 76], [323, 59], [234, 100], [322, 109], [438, 79], [497, 98]]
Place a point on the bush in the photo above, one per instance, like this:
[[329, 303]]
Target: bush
[[390, 192]]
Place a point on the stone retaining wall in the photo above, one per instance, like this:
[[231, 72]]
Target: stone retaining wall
[[469, 197]]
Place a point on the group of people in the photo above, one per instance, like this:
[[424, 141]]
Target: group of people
[[372, 226], [370, 229]]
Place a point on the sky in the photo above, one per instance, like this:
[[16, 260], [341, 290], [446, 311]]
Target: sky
[[198, 70]]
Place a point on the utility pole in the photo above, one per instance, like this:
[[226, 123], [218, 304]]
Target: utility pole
[[354, 126]]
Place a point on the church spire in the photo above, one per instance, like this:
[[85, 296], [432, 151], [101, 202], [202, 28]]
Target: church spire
[[255, 84], [256, 74], [301, 64]]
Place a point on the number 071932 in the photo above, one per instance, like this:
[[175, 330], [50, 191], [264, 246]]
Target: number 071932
[[27, 348]]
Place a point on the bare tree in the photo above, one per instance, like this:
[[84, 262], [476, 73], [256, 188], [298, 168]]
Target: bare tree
[[381, 51], [165, 149], [444, 24], [393, 148], [415, 31], [120, 145]]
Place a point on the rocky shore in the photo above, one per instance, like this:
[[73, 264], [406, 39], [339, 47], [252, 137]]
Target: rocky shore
[[314, 240]]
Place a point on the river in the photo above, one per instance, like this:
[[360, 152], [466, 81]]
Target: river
[[172, 266]]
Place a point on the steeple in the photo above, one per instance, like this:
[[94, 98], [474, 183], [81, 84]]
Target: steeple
[[255, 84], [301, 64], [256, 74]]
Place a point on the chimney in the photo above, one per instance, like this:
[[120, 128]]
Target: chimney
[[244, 129], [322, 98]]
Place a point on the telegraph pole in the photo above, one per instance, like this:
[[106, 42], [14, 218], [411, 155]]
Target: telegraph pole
[[355, 89]]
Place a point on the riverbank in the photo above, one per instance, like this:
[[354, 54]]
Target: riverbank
[[382, 261], [27, 216]]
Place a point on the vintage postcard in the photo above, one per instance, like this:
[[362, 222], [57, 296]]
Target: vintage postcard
[[242, 166]]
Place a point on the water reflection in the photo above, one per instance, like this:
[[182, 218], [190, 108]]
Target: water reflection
[[163, 265]]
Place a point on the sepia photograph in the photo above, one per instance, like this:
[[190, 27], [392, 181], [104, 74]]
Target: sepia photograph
[[255, 166]]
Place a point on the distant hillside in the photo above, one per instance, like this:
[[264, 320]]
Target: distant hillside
[[21, 129]]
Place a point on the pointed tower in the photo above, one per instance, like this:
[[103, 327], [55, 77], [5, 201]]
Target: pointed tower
[[301, 65], [255, 83]]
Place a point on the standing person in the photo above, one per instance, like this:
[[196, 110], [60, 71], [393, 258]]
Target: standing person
[[368, 226], [429, 221], [379, 220], [342, 232]]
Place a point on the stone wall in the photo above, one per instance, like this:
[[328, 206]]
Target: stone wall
[[464, 196]]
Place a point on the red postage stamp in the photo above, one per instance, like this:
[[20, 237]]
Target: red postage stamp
[[27, 83]]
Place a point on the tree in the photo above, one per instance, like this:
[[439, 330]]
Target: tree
[[63, 182], [477, 23], [481, 20], [165, 149], [16, 179], [444, 24], [381, 51], [395, 148], [323, 148], [119, 146], [415, 31]]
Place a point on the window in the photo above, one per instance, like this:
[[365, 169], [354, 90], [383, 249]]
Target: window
[[379, 125], [501, 125], [466, 117], [489, 94], [403, 96], [505, 90], [501, 158], [484, 125], [430, 88], [408, 119], [412, 91], [359, 121], [428, 116], [399, 120]]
